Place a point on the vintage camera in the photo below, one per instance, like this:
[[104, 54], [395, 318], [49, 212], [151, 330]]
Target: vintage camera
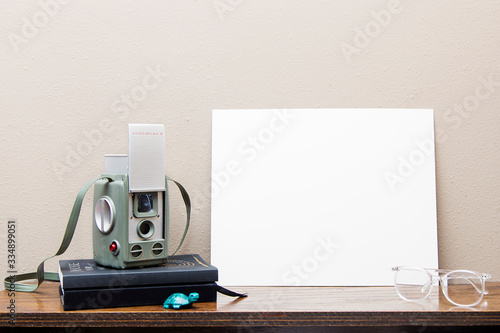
[[131, 213]]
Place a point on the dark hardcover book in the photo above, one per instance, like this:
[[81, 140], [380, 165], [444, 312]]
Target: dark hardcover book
[[80, 299], [180, 269]]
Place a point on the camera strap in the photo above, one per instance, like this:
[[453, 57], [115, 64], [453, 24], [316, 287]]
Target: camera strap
[[10, 282], [187, 203]]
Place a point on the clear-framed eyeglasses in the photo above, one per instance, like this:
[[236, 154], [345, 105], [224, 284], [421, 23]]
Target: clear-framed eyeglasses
[[460, 287]]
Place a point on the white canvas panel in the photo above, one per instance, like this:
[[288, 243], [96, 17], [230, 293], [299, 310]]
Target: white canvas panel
[[322, 197]]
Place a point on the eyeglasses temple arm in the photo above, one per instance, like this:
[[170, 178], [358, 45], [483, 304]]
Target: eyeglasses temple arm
[[426, 286]]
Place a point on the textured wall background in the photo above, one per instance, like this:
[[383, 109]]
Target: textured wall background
[[73, 74]]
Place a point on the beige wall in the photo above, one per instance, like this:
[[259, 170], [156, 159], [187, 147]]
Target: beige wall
[[82, 69]]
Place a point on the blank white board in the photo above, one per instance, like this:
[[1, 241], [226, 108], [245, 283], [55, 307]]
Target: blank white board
[[322, 197]]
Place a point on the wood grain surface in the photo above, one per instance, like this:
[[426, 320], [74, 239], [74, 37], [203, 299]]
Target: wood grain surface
[[264, 307]]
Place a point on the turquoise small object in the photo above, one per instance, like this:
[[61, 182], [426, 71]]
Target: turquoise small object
[[180, 301]]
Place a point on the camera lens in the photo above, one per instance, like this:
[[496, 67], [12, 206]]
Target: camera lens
[[145, 229], [144, 203]]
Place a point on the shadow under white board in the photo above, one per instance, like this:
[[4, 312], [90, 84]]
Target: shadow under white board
[[322, 197]]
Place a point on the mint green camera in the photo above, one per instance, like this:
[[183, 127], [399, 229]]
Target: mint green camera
[[130, 229], [131, 211]]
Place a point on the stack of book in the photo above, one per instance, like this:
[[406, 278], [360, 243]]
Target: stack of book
[[85, 285]]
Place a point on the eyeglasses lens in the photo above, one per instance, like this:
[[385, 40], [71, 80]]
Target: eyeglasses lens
[[463, 288], [413, 284]]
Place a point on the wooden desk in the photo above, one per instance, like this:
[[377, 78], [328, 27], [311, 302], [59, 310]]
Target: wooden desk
[[265, 307]]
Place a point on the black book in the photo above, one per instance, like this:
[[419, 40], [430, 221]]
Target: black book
[[80, 299], [179, 269]]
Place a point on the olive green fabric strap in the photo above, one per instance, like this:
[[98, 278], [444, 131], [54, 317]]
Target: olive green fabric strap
[[40, 275], [187, 203], [10, 282]]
